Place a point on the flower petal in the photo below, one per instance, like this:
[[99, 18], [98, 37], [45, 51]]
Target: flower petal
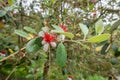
[[41, 34], [43, 42], [46, 47], [69, 79], [45, 29], [2, 54], [53, 44], [60, 37], [22, 55]]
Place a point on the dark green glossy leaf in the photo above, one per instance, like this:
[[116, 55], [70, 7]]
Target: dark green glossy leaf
[[104, 48], [33, 45], [61, 55], [116, 50], [113, 61]]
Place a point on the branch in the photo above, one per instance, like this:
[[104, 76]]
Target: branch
[[11, 73], [12, 55], [111, 10]]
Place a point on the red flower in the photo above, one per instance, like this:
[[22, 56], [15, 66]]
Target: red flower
[[63, 27], [94, 3], [22, 55], [70, 76], [94, 14], [3, 52], [48, 37]]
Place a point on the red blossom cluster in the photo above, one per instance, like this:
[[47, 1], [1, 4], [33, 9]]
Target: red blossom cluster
[[3, 53], [63, 27], [48, 37]]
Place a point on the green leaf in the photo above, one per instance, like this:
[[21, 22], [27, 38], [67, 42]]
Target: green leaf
[[2, 35], [99, 26], [8, 9], [10, 2], [68, 34], [113, 61], [29, 29], [53, 1], [115, 26], [33, 45], [116, 50], [96, 77], [91, 6], [61, 55], [2, 13], [58, 28], [104, 48], [1, 1], [22, 33], [29, 76], [99, 38], [84, 28]]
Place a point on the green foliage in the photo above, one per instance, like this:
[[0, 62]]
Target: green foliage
[[67, 34], [33, 45], [2, 35], [84, 29], [104, 48], [60, 30], [10, 2], [57, 28], [22, 33], [96, 77], [61, 55], [116, 50], [99, 26], [99, 38], [2, 13], [113, 61], [20, 70], [115, 26], [74, 55], [29, 29]]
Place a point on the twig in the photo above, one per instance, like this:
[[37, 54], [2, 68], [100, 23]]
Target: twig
[[30, 17], [111, 10], [11, 73], [108, 48], [47, 66], [12, 55]]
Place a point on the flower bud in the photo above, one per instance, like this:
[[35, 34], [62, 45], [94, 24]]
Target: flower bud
[[53, 44]]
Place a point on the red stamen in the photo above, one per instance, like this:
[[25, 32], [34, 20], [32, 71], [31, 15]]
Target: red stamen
[[63, 27], [94, 14], [48, 37], [22, 55]]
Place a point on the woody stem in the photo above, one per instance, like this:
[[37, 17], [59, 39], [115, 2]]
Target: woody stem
[[46, 67]]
